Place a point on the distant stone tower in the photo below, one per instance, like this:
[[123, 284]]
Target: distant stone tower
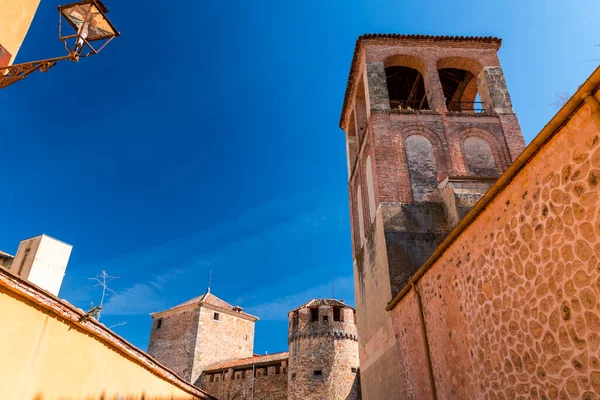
[[323, 352], [199, 333], [429, 126]]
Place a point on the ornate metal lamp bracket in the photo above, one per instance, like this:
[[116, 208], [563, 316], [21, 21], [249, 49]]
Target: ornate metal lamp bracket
[[18, 72]]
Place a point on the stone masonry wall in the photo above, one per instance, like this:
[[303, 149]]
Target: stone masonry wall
[[512, 308], [172, 343], [190, 339], [274, 386], [229, 338], [329, 348]]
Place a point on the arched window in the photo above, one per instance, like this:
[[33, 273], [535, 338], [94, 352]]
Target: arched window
[[361, 223], [371, 190], [421, 166], [480, 159], [406, 88], [460, 90]]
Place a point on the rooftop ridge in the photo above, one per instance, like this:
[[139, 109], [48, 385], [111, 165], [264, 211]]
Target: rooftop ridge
[[209, 298]]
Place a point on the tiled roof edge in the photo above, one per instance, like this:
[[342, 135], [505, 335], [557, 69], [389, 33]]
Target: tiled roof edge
[[250, 361], [73, 314], [396, 36]]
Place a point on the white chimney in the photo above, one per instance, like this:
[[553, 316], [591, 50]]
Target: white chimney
[[42, 260]]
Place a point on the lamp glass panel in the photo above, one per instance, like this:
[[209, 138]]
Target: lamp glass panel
[[97, 26]]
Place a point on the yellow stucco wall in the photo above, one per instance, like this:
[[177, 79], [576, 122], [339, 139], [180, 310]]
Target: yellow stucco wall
[[15, 19], [44, 357]]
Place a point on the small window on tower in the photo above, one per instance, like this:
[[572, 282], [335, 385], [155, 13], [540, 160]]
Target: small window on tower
[[216, 316], [317, 372], [277, 370], [293, 376], [314, 314], [354, 370], [325, 318], [337, 314], [158, 323]]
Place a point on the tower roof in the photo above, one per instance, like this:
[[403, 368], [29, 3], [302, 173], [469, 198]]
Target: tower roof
[[210, 299], [382, 37], [323, 302]]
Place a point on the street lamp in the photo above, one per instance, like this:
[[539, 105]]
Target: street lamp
[[88, 31]]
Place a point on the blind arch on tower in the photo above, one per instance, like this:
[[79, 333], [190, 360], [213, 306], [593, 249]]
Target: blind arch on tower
[[370, 189], [422, 166], [480, 158]]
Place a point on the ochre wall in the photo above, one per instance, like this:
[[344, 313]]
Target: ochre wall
[[511, 308], [45, 357], [16, 17]]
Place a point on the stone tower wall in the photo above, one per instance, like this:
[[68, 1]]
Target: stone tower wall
[[229, 338], [409, 151], [330, 347], [172, 344]]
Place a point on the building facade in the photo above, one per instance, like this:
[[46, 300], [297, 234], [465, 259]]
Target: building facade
[[429, 128], [17, 16], [201, 332], [322, 362]]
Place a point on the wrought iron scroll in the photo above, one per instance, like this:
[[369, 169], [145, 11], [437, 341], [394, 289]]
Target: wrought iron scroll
[[18, 72]]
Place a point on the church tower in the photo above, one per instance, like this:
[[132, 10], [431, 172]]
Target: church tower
[[429, 127], [323, 353]]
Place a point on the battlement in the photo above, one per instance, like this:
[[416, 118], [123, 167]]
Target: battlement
[[320, 318]]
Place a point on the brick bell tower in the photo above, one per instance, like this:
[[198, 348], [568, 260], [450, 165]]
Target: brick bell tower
[[429, 127]]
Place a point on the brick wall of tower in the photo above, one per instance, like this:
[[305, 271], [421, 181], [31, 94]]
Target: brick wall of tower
[[511, 308], [329, 347]]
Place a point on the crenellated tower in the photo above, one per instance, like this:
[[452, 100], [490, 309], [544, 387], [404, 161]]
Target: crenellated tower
[[429, 127], [323, 352]]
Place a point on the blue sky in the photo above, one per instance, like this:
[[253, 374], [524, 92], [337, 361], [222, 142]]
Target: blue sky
[[206, 137]]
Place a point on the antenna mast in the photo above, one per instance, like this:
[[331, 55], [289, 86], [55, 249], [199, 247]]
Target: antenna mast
[[209, 281], [332, 287]]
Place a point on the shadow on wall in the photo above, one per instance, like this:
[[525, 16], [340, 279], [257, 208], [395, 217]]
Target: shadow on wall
[[355, 391], [103, 396]]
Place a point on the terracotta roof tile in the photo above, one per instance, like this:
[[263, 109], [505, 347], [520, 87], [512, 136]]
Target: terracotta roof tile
[[250, 361], [395, 36], [5, 255]]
